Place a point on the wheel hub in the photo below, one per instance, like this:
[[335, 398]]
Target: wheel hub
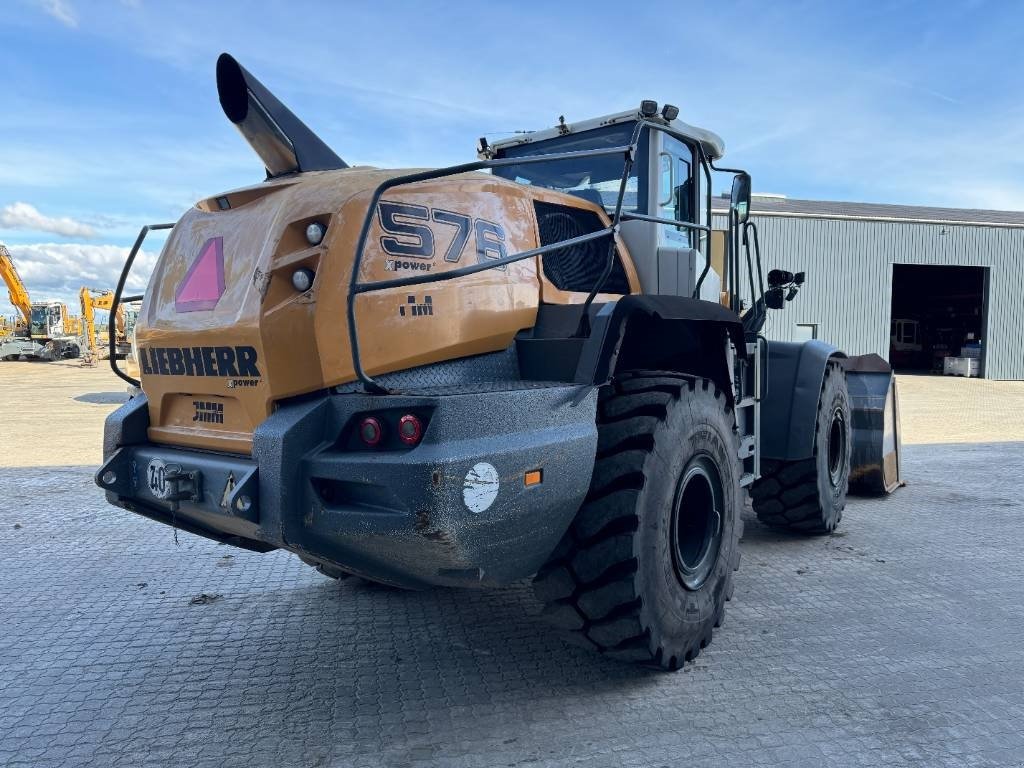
[[837, 447], [697, 522]]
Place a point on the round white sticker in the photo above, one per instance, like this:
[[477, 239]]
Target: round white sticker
[[156, 478], [480, 488]]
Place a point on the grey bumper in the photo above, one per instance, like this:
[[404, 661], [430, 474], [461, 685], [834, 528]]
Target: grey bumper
[[453, 510]]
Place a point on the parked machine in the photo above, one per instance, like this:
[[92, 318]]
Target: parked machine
[[450, 377], [906, 348], [55, 334], [18, 296], [98, 343], [50, 332]]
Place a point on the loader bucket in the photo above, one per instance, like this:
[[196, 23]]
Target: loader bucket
[[875, 461]]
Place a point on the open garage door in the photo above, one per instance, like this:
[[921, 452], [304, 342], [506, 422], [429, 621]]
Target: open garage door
[[938, 312]]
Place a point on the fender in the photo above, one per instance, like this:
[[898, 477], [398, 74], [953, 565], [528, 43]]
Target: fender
[[789, 406], [664, 333]]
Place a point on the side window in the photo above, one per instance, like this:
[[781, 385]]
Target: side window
[[675, 190]]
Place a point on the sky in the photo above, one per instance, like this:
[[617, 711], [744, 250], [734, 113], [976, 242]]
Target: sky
[[109, 116]]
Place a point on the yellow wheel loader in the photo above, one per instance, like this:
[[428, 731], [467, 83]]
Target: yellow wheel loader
[[530, 365]]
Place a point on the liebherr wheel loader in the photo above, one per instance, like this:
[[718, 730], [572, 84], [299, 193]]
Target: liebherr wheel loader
[[523, 366]]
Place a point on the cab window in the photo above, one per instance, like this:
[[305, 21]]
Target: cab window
[[675, 190]]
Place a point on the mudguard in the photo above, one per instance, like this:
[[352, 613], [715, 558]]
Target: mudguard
[[789, 406], [875, 461]]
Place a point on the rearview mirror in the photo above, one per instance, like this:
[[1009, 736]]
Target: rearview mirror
[[740, 197]]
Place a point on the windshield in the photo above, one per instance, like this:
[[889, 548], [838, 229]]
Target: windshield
[[595, 179], [39, 324]]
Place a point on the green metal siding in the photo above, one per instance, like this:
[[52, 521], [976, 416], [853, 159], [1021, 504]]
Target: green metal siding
[[849, 279]]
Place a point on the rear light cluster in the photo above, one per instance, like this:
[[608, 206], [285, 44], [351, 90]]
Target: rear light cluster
[[372, 431]]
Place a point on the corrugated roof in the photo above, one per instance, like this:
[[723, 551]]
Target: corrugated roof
[[781, 206]]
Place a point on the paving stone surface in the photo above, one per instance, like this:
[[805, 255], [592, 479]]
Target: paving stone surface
[[898, 641]]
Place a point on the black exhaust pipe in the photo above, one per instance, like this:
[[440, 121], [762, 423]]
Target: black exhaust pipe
[[284, 143]]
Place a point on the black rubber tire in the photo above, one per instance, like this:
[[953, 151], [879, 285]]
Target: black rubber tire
[[611, 584], [802, 495]]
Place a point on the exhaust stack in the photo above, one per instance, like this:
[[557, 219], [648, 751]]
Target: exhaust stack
[[284, 143]]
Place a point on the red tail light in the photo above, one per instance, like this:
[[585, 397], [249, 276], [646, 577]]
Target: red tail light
[[370, 431], [410, 429]]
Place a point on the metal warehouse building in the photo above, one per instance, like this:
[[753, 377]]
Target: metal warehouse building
[[912, 284]]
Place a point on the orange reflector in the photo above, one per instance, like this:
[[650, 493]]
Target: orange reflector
[[533, 477]]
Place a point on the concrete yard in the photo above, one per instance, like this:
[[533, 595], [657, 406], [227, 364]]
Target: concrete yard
[[896, 641]]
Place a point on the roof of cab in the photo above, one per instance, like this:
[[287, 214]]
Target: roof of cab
[[711, 142]]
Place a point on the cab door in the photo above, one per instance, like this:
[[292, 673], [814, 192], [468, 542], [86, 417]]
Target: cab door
[[680, 250]]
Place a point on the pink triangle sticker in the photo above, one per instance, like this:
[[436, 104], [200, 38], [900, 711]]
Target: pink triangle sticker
[[204, 283]]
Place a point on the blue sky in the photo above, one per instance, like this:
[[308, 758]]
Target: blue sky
[[109, 116]]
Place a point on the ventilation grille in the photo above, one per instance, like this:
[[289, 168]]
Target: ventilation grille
[[577, 268]]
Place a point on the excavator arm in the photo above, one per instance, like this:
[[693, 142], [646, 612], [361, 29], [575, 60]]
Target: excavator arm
[[90, 303], [106, 301], [15, 287], [89, 320]]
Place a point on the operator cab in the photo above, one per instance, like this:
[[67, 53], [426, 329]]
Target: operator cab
[[47, 321], [670, 179]]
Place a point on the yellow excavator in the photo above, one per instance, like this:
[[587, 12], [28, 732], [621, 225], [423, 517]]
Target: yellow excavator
[[97, 344], [50, 332], [18, 296]]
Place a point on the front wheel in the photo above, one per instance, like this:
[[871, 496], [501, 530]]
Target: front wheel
[[809, 495], [645, 569]]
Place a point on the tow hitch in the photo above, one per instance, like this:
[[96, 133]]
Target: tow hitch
[[169, 482]]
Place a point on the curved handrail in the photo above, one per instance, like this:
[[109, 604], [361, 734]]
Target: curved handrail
[[111, 320], [357, 288]]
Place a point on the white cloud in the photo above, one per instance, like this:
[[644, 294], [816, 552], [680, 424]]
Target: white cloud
[[60, 10], [56, 271], [25, 216]]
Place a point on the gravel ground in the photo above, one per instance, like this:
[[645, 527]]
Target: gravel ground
[[896, 641]]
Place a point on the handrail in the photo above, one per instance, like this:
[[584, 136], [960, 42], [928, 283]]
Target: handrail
[[357, 287], [111, 328], [472, 269], [659, 220]]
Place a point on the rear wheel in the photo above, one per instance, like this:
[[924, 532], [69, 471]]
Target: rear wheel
[[645, 569], [810, 495]]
